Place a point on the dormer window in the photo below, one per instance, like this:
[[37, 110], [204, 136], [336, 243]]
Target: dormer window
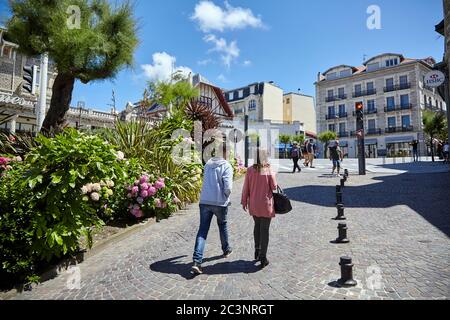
[[373, 66], [345, 73], [332, 76], [231, 96], [391, 62]]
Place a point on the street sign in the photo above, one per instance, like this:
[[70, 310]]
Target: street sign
[[434, 79]]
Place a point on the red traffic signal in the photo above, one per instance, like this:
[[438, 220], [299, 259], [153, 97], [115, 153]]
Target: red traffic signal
[[359, 106]]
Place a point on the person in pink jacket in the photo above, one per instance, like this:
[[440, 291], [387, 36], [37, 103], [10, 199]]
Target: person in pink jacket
[[257, 198]]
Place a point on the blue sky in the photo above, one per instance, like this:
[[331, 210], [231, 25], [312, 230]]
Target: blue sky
[[235, 43]]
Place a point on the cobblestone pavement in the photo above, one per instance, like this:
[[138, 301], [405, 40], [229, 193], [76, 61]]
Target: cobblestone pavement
[[398, 228]]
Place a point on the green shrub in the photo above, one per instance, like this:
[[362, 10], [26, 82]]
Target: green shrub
[[43, 209]]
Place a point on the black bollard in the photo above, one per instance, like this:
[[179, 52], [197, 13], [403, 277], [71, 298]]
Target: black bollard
[[346, 279], [338, 188], [346, 173], [342, 237], [340, 216], [339, 197], [342, 183]]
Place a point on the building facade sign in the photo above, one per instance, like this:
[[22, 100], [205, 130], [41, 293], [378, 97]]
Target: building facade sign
[[434, 78], [9, 99]]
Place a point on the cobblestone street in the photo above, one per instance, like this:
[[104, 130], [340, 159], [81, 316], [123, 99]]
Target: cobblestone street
[[398, 226]]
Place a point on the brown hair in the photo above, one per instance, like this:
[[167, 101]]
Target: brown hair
[[262, 160]]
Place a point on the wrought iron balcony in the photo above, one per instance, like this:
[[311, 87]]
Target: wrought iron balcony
[[364, 93], [373, 132], [336, 98], [369, 111], [399, 129], [333, 116], [408, 106], [395, 87], [343, 134]]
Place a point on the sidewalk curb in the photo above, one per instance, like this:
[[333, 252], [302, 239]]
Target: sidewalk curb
[[54, 271]]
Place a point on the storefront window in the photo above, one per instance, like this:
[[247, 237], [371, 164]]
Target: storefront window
[[399, 149]]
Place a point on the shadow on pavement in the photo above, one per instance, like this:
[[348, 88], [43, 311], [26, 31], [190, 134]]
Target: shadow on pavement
[[426, 194], [174, 266]]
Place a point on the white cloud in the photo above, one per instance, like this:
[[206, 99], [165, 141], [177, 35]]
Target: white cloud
[[229, 51], [162, 68], [204, 62], [247, 63], [222, 78], [212, 17]]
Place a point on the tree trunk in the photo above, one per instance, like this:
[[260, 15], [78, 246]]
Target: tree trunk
[[325, 151], [60, 102]]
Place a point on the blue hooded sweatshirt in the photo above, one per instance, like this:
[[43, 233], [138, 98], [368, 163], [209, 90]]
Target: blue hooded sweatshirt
[[217, 183]]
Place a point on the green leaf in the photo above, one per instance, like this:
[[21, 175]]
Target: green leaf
[[56, 179]]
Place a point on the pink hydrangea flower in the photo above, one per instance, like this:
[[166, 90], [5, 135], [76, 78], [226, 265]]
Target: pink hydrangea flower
[[144, 179], [151, 191], [159, 184], [4, 161], [137, 213], [158, 203], [144, 194], [136, 182], [136, 206], [145, 186], [135, 190], [140, 200]]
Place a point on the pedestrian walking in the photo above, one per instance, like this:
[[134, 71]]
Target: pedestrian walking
[[305, 153], [446, 152], [311, 149], [296, 155], [214, 201], [336, 156], [415, 147], [257, 199]]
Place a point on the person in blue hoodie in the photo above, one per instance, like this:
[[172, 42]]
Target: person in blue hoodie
[[214, 201]]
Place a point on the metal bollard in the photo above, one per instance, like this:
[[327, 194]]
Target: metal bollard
[[342, 183], [346, 279], [342, 237], [340, 209], [346, 173], [338, 197]]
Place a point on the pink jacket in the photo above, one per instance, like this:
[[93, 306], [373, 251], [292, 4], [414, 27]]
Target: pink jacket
[[257, 193]]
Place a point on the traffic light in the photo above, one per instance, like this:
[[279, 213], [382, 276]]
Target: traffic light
[[359, 111], [30, 75]]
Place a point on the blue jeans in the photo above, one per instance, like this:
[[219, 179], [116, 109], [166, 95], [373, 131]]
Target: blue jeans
[[206, 214]]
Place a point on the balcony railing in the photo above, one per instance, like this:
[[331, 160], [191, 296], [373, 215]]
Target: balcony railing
[[343, 134], [401, 86], [408, 106], [369, 111], [332, 116], [399, 129], [336, 98], [362, 93], [373, 132]]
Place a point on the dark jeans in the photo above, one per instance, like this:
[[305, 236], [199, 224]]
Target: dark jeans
[[415, 155], [206, 214], [296, 166], [261, 234]]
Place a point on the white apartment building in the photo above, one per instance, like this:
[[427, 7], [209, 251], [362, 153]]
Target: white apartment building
[[261, 101], [392, 91]]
